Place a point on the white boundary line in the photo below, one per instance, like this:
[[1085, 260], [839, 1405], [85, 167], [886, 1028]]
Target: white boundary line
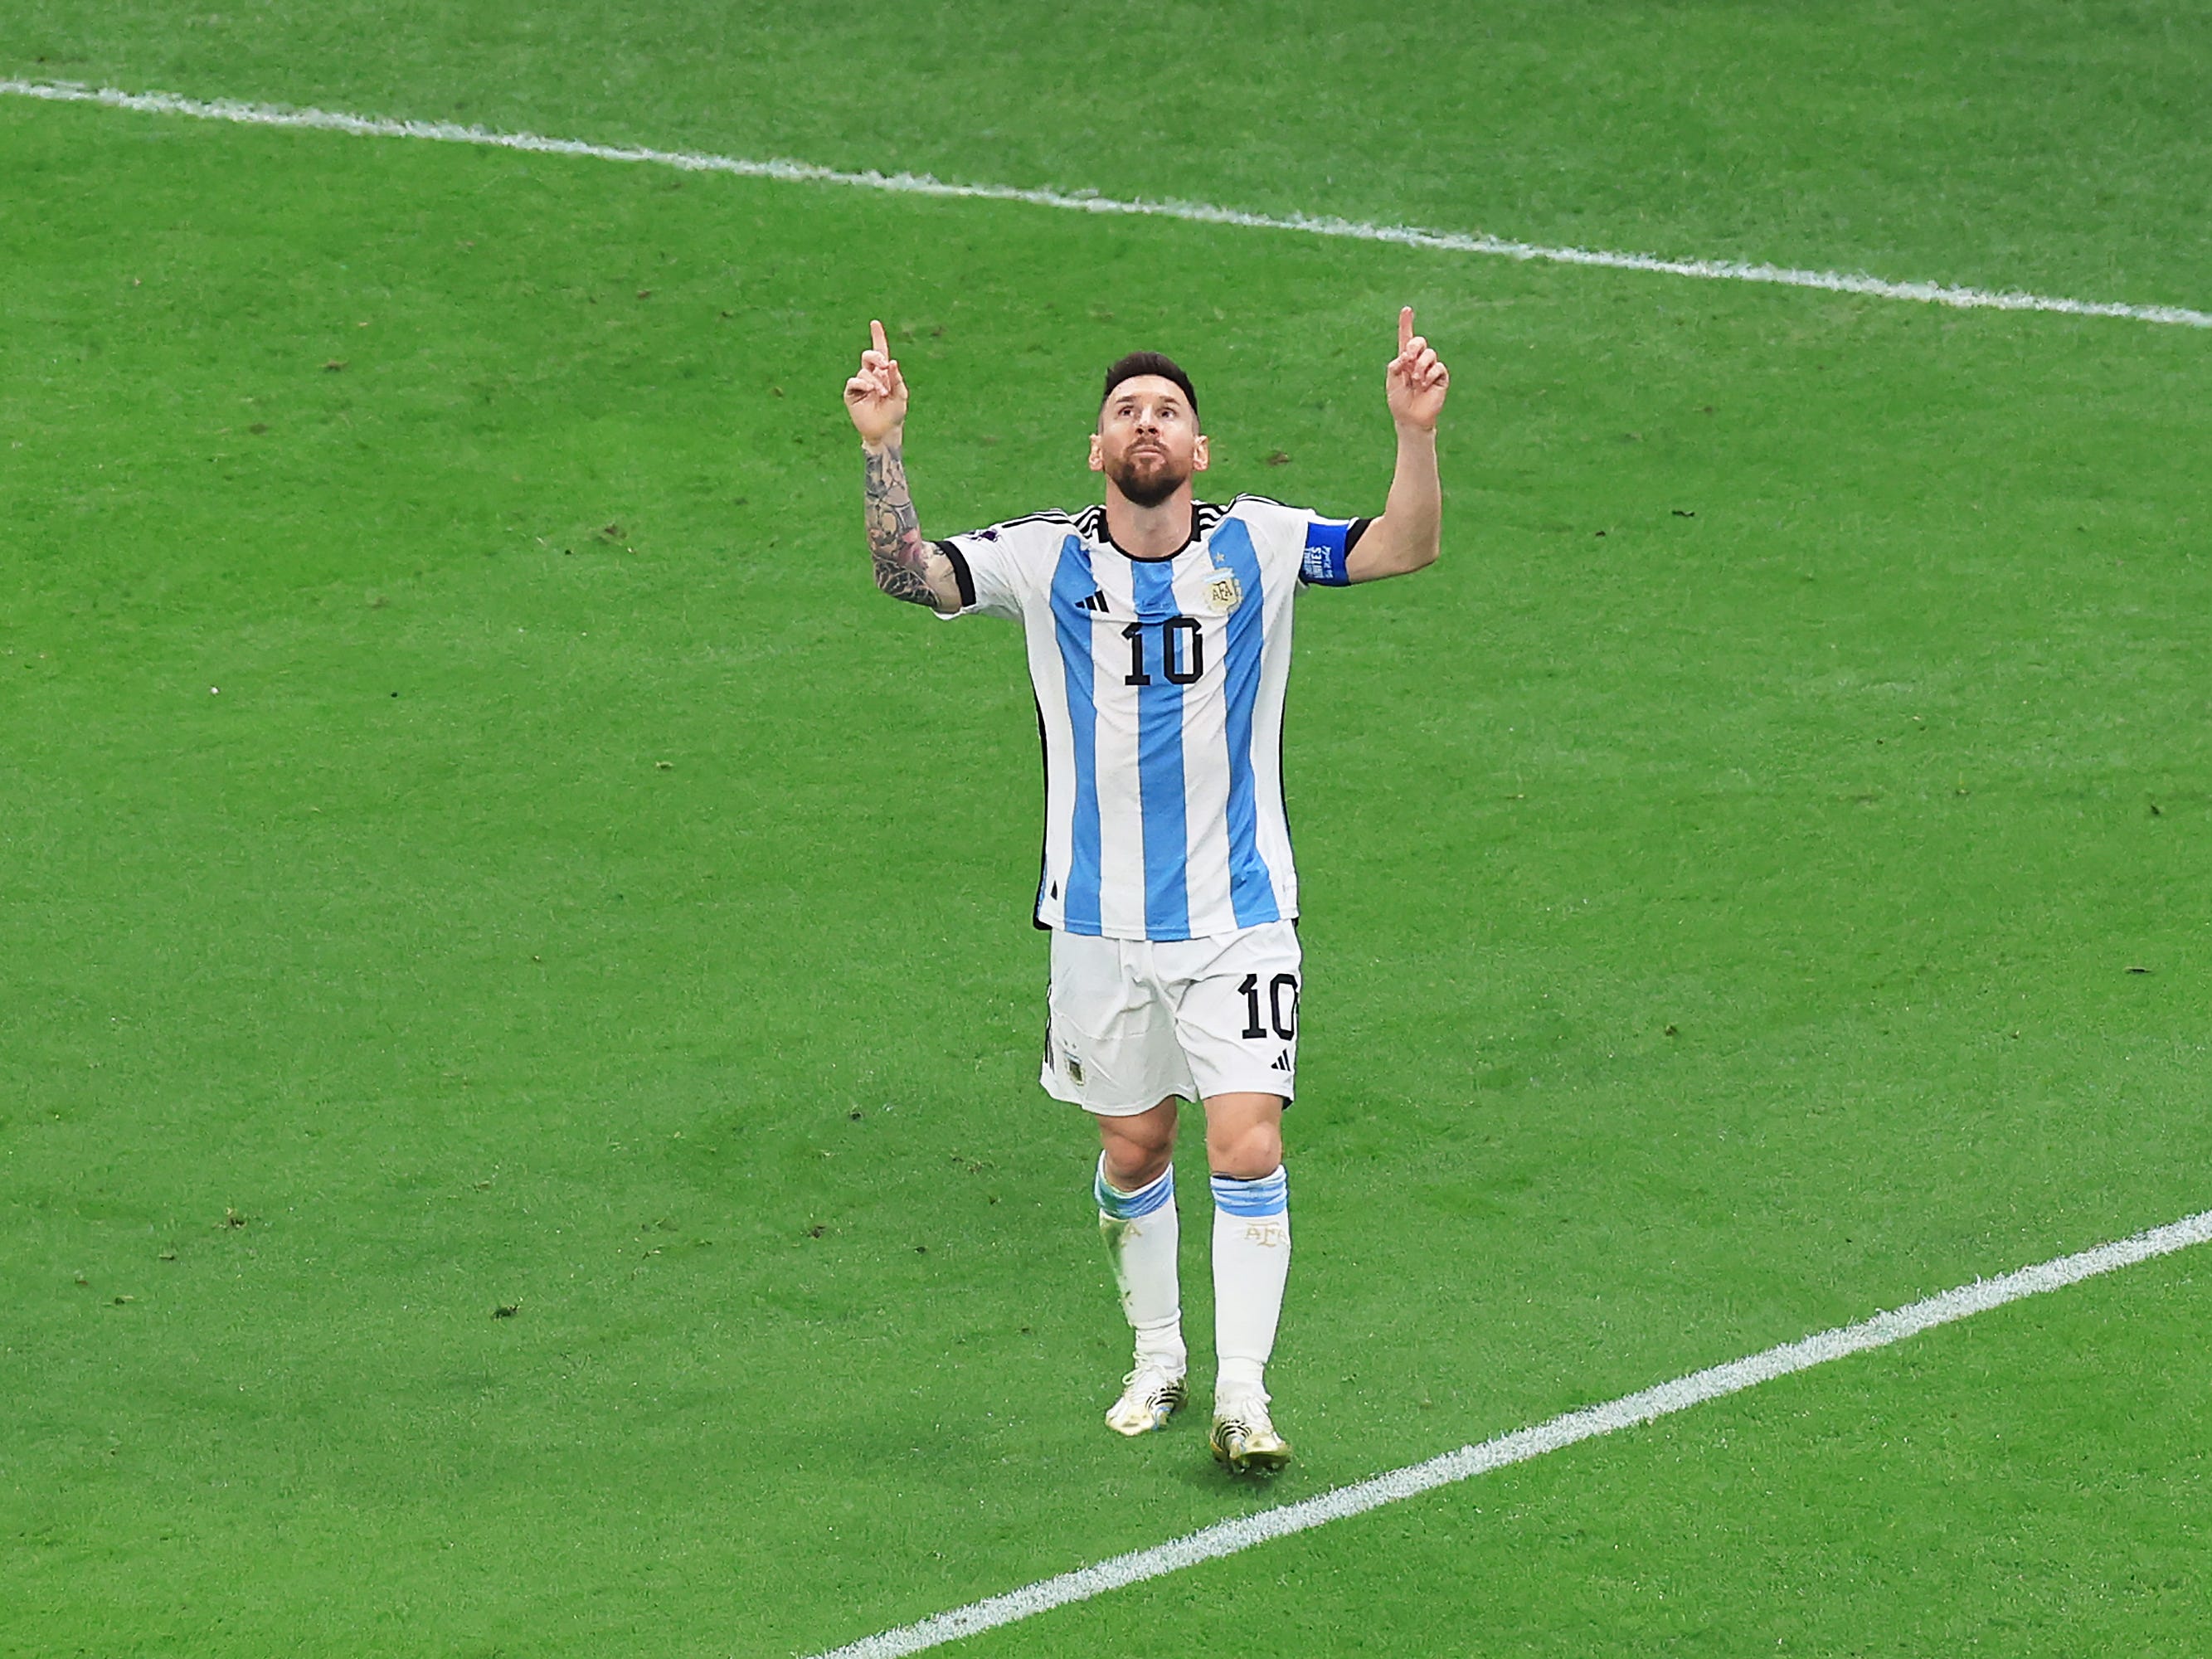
[[1228, 1537], [912, 184]]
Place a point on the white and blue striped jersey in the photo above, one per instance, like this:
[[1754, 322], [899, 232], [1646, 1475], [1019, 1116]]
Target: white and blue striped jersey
[[1159, 688]]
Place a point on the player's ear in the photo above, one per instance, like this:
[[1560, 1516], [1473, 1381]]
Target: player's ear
[[1198, 454], [1097, 455]]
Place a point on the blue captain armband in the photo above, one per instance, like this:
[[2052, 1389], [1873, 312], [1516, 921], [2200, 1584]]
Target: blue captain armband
[[1329, 549]]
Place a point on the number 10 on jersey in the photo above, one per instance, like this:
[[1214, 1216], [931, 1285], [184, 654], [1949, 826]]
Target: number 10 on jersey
[[1181, 650]]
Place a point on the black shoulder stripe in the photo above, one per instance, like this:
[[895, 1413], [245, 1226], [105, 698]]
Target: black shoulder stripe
[[961, 574], [1351, 536]]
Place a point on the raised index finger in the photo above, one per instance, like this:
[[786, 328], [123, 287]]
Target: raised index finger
[[1405, 327], [876, 331]]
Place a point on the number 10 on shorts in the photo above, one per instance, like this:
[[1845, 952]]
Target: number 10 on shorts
[[1282, 1005]]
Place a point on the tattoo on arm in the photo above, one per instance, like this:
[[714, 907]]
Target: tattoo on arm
[[902, 557]]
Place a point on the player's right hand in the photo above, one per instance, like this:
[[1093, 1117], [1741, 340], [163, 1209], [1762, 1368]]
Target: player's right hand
[[876, 396]]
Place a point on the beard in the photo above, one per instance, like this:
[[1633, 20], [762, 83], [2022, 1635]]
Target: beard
[[1146, 479]]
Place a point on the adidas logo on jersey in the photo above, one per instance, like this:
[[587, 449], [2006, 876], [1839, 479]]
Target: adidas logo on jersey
[[1095, 602]]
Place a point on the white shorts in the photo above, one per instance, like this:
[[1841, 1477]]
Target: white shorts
[[1135, 1021]]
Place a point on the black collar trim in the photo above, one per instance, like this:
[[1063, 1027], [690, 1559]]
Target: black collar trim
[[1204, 515]]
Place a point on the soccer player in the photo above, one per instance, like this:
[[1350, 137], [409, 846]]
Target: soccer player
[[1158, 632]]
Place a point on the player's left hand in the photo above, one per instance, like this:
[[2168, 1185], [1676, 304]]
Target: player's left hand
[[1416, 380]]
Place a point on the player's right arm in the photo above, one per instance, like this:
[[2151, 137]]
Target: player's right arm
[[1409, 534], [907, 567]]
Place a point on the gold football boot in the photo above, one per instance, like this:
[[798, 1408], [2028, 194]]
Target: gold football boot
[[1245, 1440], [1149, 1396]]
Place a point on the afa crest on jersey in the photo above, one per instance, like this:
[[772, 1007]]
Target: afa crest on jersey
[[1224, 592]]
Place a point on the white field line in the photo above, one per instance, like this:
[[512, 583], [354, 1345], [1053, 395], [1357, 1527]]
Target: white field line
[[1228, 1537], [912, 184]]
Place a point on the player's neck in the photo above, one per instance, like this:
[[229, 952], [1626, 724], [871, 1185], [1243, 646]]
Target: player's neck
[[1150, 532]]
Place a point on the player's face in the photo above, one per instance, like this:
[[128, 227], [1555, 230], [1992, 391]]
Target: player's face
[[1148, 443]]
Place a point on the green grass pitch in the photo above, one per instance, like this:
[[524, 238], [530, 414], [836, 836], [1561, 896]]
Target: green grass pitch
[[518, 1122]]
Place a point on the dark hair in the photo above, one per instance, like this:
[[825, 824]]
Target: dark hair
[[1149, 362]]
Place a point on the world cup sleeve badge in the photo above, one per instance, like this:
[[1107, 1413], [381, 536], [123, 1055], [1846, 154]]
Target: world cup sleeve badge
[[1224, 592]]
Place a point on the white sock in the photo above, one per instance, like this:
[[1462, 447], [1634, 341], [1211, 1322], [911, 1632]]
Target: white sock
[[1142, 1235], [1251, 1260]]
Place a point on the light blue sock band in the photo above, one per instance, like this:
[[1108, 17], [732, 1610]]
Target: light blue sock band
[[1128, 1206], [1268, 1195]]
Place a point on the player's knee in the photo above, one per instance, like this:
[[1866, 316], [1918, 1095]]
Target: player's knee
[[1130, 1166], [1245, 1151], [1139, 1149]]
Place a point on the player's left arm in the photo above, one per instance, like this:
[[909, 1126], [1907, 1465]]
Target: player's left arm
[[1410, 533]]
